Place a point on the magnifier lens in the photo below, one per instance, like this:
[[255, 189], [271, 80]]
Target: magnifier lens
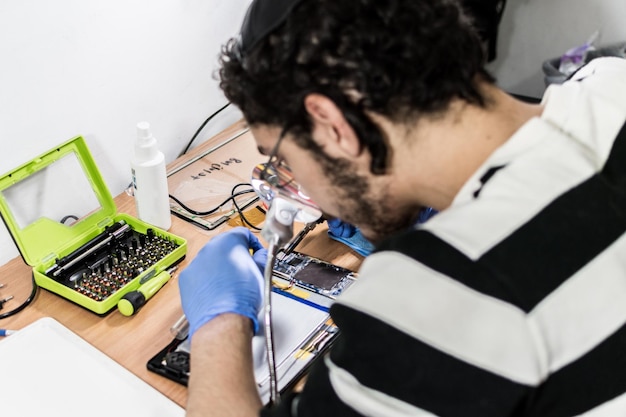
[[270, 181]]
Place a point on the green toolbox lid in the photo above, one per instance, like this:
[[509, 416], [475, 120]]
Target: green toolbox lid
[[54, 202]]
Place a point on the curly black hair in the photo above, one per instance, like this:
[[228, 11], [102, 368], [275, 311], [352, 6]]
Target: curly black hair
[[397, 58]]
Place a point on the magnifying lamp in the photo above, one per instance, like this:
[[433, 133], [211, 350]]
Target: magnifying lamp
[[287, 203]]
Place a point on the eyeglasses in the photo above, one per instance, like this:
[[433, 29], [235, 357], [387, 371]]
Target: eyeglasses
[[274, 178], [275, 171]]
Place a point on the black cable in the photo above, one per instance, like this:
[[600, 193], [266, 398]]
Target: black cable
[[241, 184], [213, 210], [231, 197], [239, 210], [22, 306], [246, 221], [202, 127], [69, 216]]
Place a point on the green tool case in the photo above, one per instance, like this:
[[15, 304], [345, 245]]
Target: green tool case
[[65, 224]]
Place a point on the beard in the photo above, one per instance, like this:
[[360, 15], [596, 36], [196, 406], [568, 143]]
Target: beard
[[374, 213]]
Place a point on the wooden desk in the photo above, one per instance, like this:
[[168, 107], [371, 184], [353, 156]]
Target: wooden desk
[[132, 341]]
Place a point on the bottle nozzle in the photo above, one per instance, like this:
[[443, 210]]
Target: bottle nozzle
[[143, 132]]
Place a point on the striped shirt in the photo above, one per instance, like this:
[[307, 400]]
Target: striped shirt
[[511, 302]]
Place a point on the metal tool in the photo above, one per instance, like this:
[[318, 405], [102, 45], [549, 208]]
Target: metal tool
[[114, 232], [301, 235]]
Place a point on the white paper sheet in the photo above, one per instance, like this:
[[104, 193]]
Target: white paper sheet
[[47, 370]]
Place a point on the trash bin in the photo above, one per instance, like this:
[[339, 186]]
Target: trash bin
[[550, 67]]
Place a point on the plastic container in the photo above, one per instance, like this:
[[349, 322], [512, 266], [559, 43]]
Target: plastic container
[[550, 67], [89, 257], [150, 180]]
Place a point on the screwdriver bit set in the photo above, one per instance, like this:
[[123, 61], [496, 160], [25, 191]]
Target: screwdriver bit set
[[64, 221]]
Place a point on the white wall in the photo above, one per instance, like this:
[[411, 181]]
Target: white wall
[[532, 31], [95, 68]]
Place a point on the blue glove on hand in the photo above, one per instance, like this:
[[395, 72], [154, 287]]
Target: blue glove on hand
[[339, 228], [349, 235], [224, 278]]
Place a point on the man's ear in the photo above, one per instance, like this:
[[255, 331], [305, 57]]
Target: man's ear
[[329, 120]]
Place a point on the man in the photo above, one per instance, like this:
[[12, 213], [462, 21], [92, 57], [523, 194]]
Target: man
[[509, 302]]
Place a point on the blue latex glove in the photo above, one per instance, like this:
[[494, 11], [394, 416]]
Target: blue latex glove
[[224, 278], [339, 228], [425, 214], [351, 236]]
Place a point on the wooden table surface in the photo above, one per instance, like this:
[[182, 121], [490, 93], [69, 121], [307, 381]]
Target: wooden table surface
[[132, 341]]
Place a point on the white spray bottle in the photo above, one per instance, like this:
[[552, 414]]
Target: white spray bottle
[[150, 180]]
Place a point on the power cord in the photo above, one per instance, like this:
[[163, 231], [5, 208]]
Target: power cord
[[202, 127], [234, 194], [214, 209], [22, 306], [240, 211]]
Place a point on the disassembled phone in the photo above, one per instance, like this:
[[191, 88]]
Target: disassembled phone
[[304, 287], [313, 274]]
